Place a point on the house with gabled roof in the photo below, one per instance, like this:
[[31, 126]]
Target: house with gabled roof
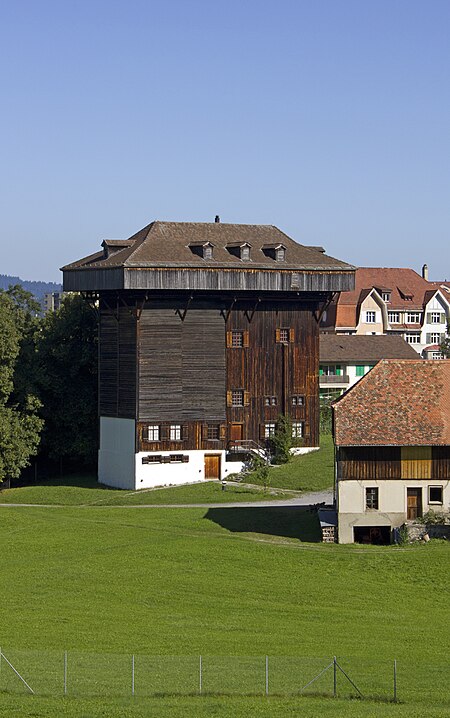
[[392, 438], [345, 359], [394, 301], [207, 333]]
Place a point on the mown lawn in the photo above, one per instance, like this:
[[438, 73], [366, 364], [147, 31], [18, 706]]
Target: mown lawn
[[105, 583]]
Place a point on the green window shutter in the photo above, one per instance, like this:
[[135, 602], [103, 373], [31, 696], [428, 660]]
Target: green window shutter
[[321, 371], [359, 370], [338, 370]]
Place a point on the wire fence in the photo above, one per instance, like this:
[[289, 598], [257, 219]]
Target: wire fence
[[82, 674]]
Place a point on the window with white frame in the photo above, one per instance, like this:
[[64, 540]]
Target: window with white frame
[[153, 432], [435, 317], [436, 355], [386, 296], [237, 397], [371, 317], [434, 338], [175, 432], [297, 429], [413, 317], [394, 317], [372, 497], [413, 338], [435, 495], [269, 430]]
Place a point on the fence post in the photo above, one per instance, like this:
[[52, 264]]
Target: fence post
[[395, 680], [65, 673], [267, 675], [334, 676], [200, 675]]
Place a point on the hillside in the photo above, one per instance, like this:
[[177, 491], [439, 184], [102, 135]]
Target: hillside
[[38, 289]]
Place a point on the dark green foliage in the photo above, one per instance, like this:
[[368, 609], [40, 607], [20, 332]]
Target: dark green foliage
[[325, 421], [445, 345], [67, 381], [20, 425], [281, 441]]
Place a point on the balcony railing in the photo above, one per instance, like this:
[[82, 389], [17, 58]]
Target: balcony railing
[[333, 379]]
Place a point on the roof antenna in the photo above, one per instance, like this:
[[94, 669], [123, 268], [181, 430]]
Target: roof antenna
[[217, 219]]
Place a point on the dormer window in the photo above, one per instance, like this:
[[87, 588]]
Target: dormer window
[[202, 249], [275, 251], [241, 250]]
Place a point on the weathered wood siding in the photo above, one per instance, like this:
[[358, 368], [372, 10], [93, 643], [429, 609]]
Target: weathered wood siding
[[393, 462], [181, 362], [270, 368], [117, 361]]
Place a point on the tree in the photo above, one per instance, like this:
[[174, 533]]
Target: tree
[[20, 425], [67, 381], [281, 441]]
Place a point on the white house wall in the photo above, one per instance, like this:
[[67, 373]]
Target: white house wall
[[351, 501]]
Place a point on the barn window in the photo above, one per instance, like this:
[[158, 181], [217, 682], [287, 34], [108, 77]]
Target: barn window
[[284, 335], [297, 400], [213, 432], [435, 495], [269, 430], [237, 339], [175, 432], [297, 429], [153, 432], [372, 497], [237, 397], [270, 401]]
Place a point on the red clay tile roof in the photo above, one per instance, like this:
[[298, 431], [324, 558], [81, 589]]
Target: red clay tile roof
[[398, 403], [167, 244], [400, 281], [360, 348]]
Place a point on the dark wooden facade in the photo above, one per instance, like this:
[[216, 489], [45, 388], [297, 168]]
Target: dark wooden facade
[[173, 362], [393, 462]]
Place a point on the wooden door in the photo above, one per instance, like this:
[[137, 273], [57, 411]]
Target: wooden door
[[413, 503], [236, 432], [212, 466]]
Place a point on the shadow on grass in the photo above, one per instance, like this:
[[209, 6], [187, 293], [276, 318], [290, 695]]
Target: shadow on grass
[[288, 521]]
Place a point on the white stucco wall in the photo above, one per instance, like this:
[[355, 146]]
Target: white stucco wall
[[116, 453], [392, 498]]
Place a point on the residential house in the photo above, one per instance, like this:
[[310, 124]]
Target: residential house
[[392, 437], [207, 333], [393, 301], [345, 359]]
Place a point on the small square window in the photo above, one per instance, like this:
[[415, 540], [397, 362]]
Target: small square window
[[269, 430], [175, 432], [237, 339], [284, 336], [298, 400], [153, 432], [372, 498], [297, 429], [435, 494], [270, 401], [213, 432], [237, 397]]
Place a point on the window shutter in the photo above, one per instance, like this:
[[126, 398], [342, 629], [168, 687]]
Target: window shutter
[[338, 370], [165, 459], [292, 335], [229, 339], [185, 431], [185, 458], [204, 432], [278, 335], [229, 398], [164, 432], [262, 431], [443, 318], [246, 398], [306, 431], [245, 341], [223, 432]]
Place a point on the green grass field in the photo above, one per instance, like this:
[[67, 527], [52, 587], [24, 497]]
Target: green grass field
[[104, 583]]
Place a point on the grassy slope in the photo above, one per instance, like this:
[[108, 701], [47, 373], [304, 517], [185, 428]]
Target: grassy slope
[[312, 472], [190, 582]]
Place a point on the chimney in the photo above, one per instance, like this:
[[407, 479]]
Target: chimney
[[425, 271], [217, 219]]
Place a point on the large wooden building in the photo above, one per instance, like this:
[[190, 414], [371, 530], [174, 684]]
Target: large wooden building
[[207, 333]]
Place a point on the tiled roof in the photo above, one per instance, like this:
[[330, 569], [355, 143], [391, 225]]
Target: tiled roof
[[401, 282], [167, 244], [364, 348], [399, 402]]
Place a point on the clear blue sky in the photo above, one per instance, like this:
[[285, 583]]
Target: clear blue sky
[[327, 118]]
